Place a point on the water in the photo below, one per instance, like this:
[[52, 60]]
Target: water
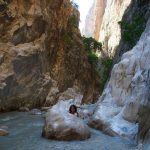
[[25, 134]]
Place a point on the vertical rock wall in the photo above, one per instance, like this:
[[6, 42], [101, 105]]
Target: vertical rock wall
[[94, 19], [127, 89], [103, 19], [110, 33], [41, 54]]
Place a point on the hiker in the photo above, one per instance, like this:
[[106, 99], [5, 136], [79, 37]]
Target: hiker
[[73, 110]]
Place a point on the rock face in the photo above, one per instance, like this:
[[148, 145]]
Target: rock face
[[110, 32], [61, 125], [135, 11], [41, 54], [106, 27], [127, 90], [144, 122], [94, 19], [24, 109]]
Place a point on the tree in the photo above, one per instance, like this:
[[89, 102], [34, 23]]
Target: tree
[[91, 46]]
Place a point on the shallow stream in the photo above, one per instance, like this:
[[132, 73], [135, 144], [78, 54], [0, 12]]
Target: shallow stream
[[25, 134]]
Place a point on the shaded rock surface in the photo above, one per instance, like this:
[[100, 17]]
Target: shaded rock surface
[[61, 125], [144, 122], [137, 10], [41, 54], [24, 109]]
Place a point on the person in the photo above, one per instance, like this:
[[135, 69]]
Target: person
[[73, 110]]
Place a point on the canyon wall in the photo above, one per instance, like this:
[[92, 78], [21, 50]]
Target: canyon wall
[[127, 91], [110, 32], [103, 20], [94, 19], [107, 29], [42, 58]]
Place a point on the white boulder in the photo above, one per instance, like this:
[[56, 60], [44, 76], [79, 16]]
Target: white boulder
[[61, 125]]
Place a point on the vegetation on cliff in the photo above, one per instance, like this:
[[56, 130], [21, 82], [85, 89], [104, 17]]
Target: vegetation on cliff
[[131, 31], [102, 66], [91, 46]]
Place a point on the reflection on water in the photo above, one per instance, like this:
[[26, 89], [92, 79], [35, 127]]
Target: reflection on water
[[25, 134]]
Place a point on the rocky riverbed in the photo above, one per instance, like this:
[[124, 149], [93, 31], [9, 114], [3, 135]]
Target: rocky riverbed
[[25, 134]]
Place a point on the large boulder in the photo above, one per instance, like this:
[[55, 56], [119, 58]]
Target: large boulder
[[36, 112], [61, 125], [24, 109], [3, 132]]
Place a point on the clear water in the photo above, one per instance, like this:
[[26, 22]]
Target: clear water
[[25, 134]]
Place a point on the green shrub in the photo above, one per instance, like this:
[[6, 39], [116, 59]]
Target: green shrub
[[92, 58], [107, 64], [91, 44], [131, 32]]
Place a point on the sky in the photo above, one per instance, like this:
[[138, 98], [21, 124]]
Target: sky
[[84, 6]]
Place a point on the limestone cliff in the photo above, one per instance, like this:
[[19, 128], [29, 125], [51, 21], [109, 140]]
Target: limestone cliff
[[106, 27], [129, 84], [94, 19], [41, 55], [108, 32], [127, 90], [135, 17]]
